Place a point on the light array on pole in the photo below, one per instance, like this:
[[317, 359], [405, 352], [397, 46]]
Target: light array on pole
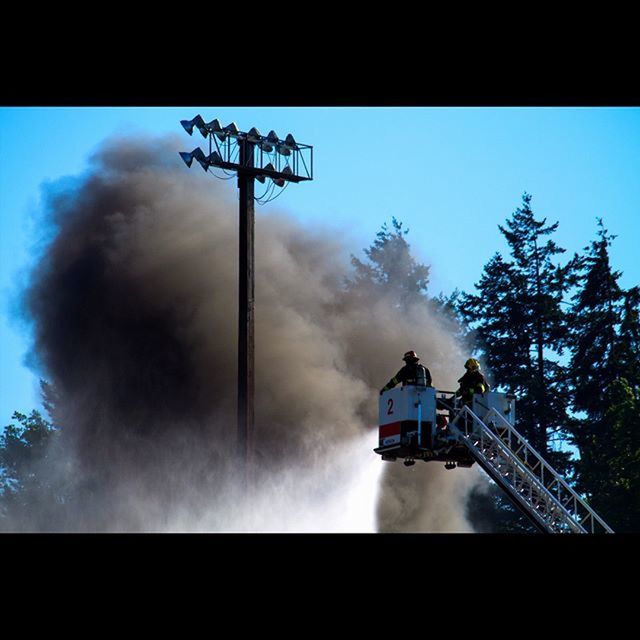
[[269, 157], [253, 157]]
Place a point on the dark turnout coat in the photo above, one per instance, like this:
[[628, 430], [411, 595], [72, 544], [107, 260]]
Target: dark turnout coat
[[470, 383], [411, 373]]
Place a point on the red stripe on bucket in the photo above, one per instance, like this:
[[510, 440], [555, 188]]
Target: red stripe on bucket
[[388, 430]]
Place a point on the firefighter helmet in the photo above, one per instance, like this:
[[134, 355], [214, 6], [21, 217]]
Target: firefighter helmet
[[472, 364], [410, 356]]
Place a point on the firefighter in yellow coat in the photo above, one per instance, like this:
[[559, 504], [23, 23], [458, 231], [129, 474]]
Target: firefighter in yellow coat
[[473, 381]]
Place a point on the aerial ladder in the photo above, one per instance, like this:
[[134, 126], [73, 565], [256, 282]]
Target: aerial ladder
[[420, 423]]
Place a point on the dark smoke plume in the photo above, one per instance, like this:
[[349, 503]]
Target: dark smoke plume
[[133, 306]]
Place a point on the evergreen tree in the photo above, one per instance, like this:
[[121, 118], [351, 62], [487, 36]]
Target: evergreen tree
[[391, 272], [604, 376], [447, 308], [628, 351], [24, 448], [595, 319], [34, 487], [520, 326], [611, 461], [390, 269]]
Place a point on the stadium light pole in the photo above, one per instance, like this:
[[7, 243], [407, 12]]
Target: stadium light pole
[[246, 317], [252, 157]]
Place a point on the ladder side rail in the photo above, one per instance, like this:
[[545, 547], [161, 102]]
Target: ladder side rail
[[557, 479], [504, 448], [538, 469], [556, 476], [517, 500], [505, 483], [494, 439], [519, 472]]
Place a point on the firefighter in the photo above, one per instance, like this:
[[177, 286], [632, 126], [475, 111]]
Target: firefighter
[[412, 373], [473, 381]]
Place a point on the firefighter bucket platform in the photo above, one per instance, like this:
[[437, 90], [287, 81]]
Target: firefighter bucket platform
[[420, 423], [413, 424]]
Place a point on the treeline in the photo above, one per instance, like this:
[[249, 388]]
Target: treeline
[[563, 335], [560, 333]]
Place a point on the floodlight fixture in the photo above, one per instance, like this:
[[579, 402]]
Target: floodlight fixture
[[287, 171], [269, 167], [216, 128], [291, 142], [202, 128], [282, 178], [197, 153], [254, 135], [189, 124], [232, 130], [214, 158], [187, 157], [285, 148], [268, 144]]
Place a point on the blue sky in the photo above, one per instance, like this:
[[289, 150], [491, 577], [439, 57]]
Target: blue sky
[[450, 174]]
